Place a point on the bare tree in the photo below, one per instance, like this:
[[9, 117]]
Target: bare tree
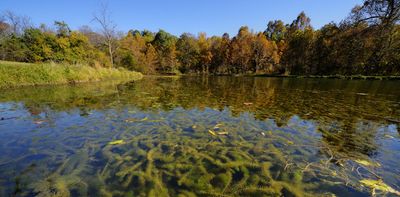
[[18, 24], [108, 30], [94, 38]]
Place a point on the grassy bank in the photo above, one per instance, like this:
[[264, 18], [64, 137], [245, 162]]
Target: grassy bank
[[14, 74]]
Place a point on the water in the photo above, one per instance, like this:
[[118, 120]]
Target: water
[[199, 136]]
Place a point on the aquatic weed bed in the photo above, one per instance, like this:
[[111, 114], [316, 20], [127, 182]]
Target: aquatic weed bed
[[195, 153]]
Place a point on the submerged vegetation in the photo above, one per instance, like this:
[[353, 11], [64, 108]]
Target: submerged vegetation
[[365, 43], [20, 74], [199, 138]]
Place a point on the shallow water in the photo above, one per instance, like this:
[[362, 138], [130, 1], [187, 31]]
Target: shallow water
[[201, 136]]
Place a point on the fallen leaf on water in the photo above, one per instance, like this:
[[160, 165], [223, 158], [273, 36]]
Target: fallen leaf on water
[[39, 122], [135, 120], [367, 163], [389, 136], [212, 133], [217, 126], [290, 142], [379, 185], [116, 142]]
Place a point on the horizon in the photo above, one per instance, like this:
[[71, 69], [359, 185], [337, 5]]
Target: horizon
[[182, 17]]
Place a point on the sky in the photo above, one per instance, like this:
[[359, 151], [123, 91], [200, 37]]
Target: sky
[[213, 17]]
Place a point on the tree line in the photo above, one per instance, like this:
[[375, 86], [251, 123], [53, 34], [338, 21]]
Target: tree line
[[367, 42]]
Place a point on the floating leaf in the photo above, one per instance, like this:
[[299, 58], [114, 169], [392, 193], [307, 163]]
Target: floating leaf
[[379, 185], [136, 120], [388, 136], [116, 142], [362, 94], [367, 163], [217, 126], [39, 121], [290, 142], [212, 133]]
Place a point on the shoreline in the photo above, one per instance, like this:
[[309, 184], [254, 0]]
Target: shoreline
[[345, 77]]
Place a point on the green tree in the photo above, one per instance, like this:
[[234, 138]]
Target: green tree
[[276, 30], [188, 52], [165, 45]]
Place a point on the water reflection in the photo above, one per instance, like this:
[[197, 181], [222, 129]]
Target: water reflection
[[200, 136]]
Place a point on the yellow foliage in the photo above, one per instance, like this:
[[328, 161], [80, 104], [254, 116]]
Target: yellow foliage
[[379, 185]]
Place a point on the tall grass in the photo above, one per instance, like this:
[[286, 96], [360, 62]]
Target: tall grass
[[22, 74]]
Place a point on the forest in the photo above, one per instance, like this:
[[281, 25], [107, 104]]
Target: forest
[[367, 42]]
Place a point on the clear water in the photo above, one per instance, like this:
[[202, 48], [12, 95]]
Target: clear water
[[201, 136]]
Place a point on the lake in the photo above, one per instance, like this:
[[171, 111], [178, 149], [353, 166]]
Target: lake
[[202, 136]]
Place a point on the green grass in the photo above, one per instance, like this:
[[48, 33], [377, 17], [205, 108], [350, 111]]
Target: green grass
[[14, 74]]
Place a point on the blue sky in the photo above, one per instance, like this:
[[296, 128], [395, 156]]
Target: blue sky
[[177, 16]]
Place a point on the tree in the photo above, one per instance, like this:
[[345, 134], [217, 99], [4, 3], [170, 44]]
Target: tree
[[108, 30], [151, 59], [165, 44], [302, 23], [188, 52], [266, 54], [94, 38], [63, 29], [39, 45], [377, 12], [325, 50], [13, 48], [17, 24], [205, 55], [381, 16], [276, 30], [297, 56], [3, 28], [241, 51]]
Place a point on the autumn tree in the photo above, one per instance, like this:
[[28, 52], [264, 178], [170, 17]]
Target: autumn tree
[[188, 52], [299, 48], [241, 52], [266, 54], [205, 55], [220, 48], [382, 18]]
